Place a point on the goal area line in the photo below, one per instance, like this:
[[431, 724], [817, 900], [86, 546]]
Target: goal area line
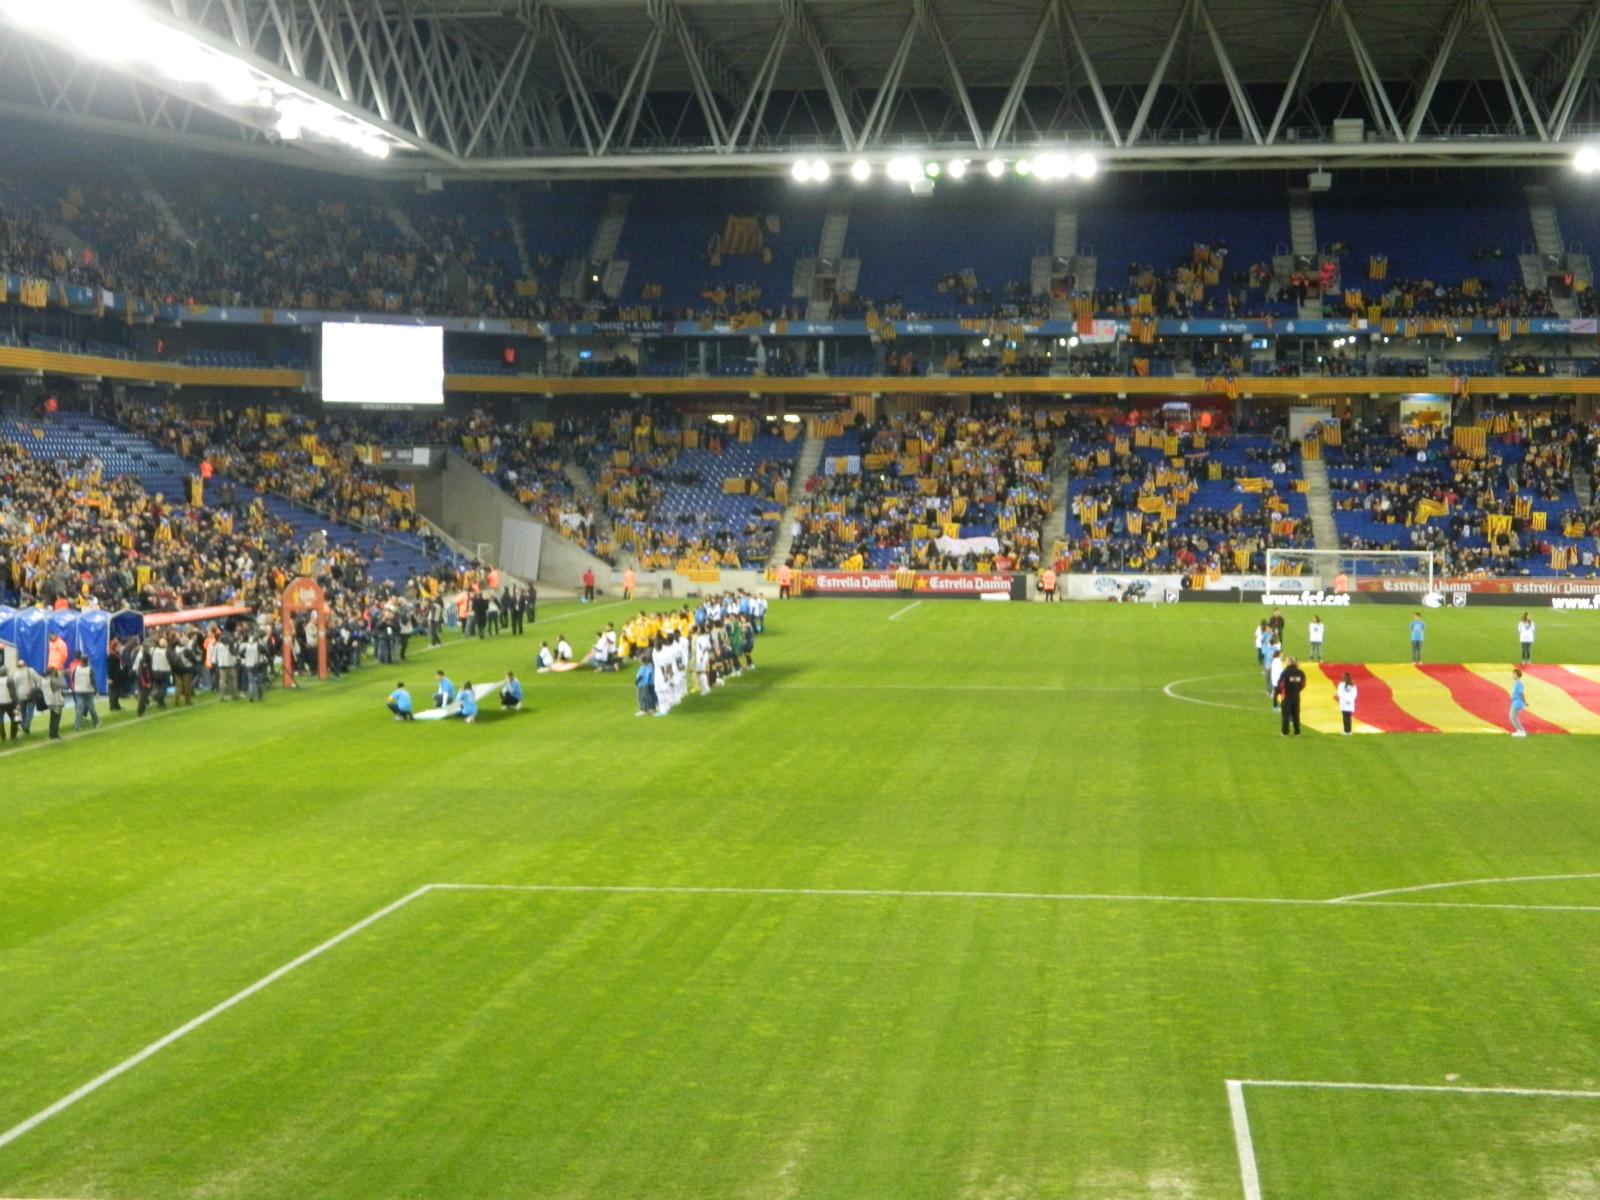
[[1244, 1140]]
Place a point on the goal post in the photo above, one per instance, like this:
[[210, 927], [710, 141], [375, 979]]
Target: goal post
[[1326, 567]]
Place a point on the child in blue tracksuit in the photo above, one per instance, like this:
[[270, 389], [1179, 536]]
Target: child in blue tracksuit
[[511, 692], [1519, 701], [469, 703], [444, 692], [645, 681]]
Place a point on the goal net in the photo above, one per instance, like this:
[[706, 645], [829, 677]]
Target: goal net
[[1345, 570]]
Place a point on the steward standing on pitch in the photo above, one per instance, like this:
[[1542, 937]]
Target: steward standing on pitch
[[1290, 684]]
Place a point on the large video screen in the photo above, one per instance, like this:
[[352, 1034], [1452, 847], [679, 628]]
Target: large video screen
[[382, 364]]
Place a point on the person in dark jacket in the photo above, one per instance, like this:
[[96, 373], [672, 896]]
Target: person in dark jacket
[[1290, 684]]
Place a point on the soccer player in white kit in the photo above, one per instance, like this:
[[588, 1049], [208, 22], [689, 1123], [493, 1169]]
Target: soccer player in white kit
[[661, 660], [702, 659], [1274, 673], [1525, 637], [680, 649]]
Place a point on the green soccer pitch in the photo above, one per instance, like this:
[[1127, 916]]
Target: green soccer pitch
[[963, 904]]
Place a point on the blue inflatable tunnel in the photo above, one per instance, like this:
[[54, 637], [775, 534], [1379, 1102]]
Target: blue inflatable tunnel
[[87, 634], [31, 627]]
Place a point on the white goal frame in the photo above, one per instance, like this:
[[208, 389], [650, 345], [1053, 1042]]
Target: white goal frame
[[1334, 562]]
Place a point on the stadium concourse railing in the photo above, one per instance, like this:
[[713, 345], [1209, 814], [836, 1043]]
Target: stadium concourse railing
[[52, 362]]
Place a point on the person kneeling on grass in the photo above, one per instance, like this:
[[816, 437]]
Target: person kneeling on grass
[[469, 704], [511, 692], [444, 692], [546, 658], [400, 703]]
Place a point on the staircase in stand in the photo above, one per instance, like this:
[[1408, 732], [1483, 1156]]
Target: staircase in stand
[[1054, 531], [1303, 243], [1319, 504], [158, 202], [396, 215], [588, 495], [1551, 246], [519, 237], [615, 276], [804, 468], [831, 272], [608, 236]]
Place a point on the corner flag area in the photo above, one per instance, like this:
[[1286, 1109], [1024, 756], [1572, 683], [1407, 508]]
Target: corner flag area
[[1454, 698]]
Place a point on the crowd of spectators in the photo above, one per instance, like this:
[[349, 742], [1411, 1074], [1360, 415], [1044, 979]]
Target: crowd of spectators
[[979, 482], [1200, 533], [1442, 497]]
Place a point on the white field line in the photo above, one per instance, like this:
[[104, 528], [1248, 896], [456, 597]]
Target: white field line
[[188, 1027], [1170, 690], [900, 612], [1458, 883], [38, 741], [1037, 897], [1250, 1176], [267, 980], [1437, 1089], [957, 687], [1242, 1141]]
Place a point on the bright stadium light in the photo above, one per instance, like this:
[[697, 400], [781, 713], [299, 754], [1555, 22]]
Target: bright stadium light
[[1587, 160], [861, 170], [932, 169], [1073, 340], [801, 170], [904, 168], [1085, 165], [820, 171], [1051, 166], [132, 37], [1024, 166], [995, 167], [957, 168]]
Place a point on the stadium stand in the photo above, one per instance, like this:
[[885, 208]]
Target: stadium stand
[[1497, 498], [1152, 498], [950, 490]]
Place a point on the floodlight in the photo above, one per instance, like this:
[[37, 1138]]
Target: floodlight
[[1051, 166], [861, 170], [904, 168], [957, 168], [820, 171], [801, 170], [995, 167], [1085, 166]]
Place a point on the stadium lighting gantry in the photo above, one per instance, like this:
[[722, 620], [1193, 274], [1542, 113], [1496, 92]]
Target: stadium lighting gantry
[[130, 36], [1048, 166]]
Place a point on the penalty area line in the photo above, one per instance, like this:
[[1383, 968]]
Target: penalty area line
[[188, 1027], [900, 612], [127, 1064]]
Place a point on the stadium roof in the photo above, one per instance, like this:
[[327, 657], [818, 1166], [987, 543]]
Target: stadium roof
[[596, 88]]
